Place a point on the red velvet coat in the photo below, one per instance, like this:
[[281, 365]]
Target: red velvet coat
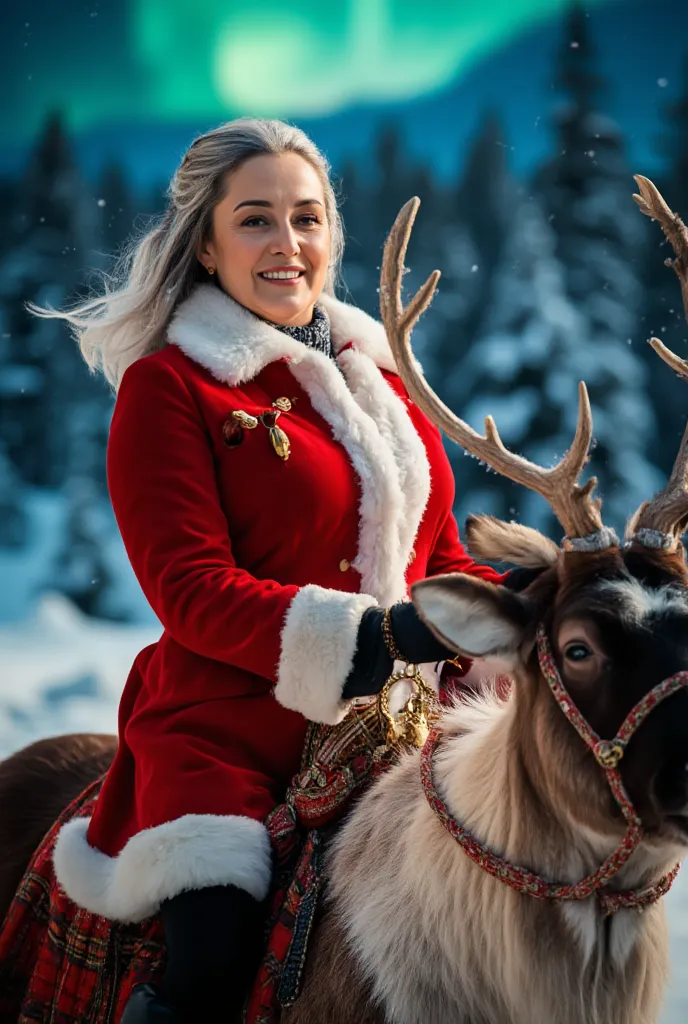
[[259, 570]]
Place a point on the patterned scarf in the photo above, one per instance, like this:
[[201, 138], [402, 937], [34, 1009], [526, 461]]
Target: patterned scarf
[[315, 335]]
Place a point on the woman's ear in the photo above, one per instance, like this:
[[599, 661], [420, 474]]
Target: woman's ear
[[204, 256]]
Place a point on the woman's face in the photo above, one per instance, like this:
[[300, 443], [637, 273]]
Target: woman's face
[[270, 244]]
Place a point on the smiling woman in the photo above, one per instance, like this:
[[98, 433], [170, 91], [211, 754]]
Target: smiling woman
[[277, 493], [271, 254]]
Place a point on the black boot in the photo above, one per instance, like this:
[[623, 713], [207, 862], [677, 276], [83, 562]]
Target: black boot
[[146, 1006], [214, 940]]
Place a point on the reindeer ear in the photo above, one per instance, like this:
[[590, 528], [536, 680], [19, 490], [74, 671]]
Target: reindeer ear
[[497, 541], [473, 616]]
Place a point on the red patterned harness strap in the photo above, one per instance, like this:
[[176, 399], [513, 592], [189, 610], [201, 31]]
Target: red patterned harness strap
[[608, 753]]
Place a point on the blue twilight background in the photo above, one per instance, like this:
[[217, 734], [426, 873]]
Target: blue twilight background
[[519, 123]]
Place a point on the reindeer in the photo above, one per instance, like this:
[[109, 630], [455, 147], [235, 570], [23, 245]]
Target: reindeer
[[511, 871]]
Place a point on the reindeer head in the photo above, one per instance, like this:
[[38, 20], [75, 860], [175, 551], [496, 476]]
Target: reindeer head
[[616, 616]]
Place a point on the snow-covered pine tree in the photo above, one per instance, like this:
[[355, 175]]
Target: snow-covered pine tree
[[81, 570], [359, 234], [522, 371], [586, 190], [41, 373], [369, 212], [466, 243], [484, 203]]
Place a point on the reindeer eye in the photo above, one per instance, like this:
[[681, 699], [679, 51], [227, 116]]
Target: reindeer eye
[[577, 651]]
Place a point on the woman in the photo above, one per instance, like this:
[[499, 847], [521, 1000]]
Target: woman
[[276, 491]]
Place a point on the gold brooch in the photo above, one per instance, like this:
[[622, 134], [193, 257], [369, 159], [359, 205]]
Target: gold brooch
[[244, 419], [279, 440], [233, 428]]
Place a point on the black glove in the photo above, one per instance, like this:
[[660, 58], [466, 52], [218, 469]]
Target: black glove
[[372, 661]]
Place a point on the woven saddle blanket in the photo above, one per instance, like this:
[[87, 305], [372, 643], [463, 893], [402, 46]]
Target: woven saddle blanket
[[63, 965]]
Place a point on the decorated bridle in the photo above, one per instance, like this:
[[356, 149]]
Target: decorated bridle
[[608, 754], [657, 524]]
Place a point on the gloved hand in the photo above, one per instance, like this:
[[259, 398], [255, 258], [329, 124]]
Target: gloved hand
[[372, 661]]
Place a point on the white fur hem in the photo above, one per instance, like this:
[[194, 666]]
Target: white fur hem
[[191, 852], [318, 647]]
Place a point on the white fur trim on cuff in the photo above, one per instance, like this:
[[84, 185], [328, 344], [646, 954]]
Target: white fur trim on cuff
[[191, 852], [318, 647]]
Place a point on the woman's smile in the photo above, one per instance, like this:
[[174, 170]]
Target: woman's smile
[[284, 277]]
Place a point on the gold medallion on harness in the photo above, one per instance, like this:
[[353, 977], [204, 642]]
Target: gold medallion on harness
[[413, 723]]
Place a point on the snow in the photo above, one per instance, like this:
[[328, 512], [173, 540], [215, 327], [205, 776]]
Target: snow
[[63, 671], [25, 571]]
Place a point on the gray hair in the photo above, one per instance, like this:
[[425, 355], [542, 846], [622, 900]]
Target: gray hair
[[158, 271]]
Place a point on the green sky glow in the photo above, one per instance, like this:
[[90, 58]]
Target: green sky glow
[[202, 61], [309, 57]]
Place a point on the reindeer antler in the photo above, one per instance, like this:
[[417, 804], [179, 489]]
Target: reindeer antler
[[660, 522], [652, 204], [573, 505]]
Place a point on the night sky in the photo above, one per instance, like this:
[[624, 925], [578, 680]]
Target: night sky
[[138, 79]]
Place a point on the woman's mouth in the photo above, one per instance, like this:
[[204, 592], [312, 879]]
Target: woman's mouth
[[286, 277]]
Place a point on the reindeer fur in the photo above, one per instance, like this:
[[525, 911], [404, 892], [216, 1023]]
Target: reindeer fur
[[425, 936], [36, 784], [434, 939]]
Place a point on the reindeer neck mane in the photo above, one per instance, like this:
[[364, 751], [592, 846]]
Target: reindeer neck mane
[[502, 779]]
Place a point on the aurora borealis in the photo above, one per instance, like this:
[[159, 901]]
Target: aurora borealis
[[187, 60], [307, 57], [136, 79]]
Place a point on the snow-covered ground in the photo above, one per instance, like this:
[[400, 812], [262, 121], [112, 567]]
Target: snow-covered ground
[[62, 672]]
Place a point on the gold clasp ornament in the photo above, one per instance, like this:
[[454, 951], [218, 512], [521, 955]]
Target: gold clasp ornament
[[412, 725], [244, 419], [279, 440], [233, 428]]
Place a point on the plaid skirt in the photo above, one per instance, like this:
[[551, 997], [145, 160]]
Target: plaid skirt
[[62, 965]]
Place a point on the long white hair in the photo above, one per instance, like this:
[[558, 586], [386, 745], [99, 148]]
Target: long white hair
[[160, 270]]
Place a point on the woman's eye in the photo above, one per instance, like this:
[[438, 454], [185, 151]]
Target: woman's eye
[[577, 652], [251, 222], [309, 218]]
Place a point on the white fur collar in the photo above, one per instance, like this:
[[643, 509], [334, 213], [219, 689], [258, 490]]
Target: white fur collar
[[235, 345], [365, 414]]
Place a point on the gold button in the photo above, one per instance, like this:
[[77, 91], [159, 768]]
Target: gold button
[[344, 565], [412, 555]]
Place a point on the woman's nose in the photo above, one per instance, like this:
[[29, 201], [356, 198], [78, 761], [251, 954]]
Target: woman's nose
[[285, 242]]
